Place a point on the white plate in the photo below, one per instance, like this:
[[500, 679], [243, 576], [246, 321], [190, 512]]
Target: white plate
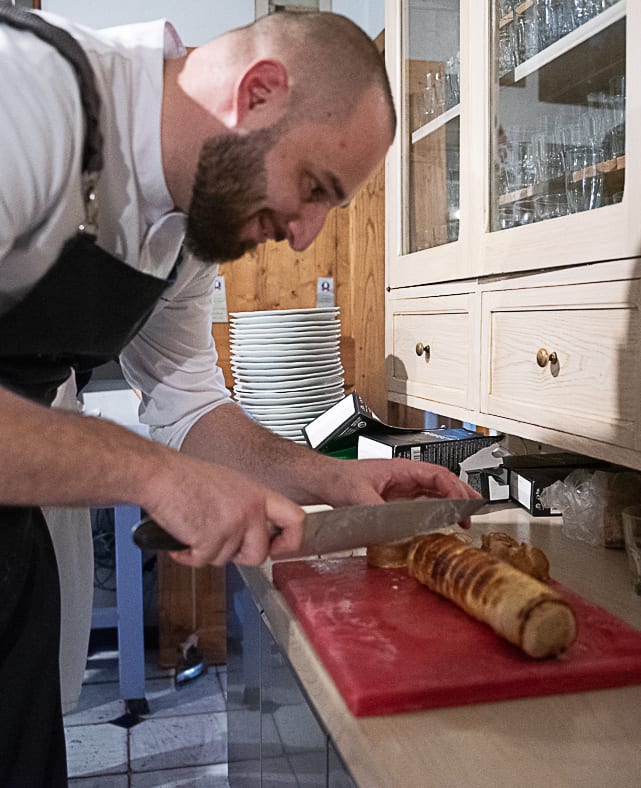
[[284, 339], [290, 327], [323, 402], [276, 370], [317, 310], [262, 338], [281, 386], [283, 352], [274, 423], [292, 356], [266, 362], [294, 373]]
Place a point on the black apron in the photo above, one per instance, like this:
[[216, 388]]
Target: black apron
[[81, 314]]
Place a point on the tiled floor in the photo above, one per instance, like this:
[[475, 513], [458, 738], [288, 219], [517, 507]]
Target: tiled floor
[[182, 742]]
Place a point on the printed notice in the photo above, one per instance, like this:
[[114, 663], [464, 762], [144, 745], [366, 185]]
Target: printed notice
[[325, 291], [219, 303]]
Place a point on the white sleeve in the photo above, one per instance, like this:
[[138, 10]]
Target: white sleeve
[[173, 358], [41, 124]]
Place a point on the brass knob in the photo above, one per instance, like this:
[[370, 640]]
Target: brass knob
[[423, 349], [542, 357]]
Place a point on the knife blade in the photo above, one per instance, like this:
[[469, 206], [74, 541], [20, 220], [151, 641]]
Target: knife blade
[[346, 528]]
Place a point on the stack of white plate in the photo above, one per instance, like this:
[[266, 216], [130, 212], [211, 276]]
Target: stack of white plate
[[286, 366]]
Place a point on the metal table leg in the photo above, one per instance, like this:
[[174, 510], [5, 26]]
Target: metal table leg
[[129, 601]]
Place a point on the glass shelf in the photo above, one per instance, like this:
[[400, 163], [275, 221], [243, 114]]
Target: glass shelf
[[558, 146], [436, 124], [552, 52]]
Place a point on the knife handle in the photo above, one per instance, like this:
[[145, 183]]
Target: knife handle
[[148, 535]]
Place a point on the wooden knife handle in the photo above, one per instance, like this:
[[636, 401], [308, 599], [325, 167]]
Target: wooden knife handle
[[148, 535]]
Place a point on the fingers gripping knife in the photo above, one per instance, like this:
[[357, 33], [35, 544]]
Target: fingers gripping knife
[[347, 528]]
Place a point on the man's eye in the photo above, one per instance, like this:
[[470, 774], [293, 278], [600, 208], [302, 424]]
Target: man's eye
[[317, 192]]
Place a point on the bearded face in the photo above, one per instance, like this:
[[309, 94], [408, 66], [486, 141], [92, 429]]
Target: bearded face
[[230, 185]]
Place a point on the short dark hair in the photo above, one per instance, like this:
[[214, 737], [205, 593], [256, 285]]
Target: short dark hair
[[331, 54]]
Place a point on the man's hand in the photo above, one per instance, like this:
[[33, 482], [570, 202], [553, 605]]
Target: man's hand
[[375, 481], [222, 515]]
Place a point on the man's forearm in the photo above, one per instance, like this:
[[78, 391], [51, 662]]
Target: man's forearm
[[227, 436], [57, 458]]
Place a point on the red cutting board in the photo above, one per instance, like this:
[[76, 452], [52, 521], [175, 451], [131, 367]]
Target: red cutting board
[[392, 645]]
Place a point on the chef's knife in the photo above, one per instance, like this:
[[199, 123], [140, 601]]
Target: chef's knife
[[333, 530]]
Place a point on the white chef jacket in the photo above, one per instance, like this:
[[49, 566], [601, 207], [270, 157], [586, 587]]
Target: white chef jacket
[[173, 359]]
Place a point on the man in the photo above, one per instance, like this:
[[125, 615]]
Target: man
[[254, 136]]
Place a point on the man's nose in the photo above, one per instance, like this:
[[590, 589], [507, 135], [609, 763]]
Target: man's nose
[[302, 230]]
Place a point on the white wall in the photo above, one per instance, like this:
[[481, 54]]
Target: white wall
[[198, 20]]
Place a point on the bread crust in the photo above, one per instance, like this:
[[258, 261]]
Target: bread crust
[[515, 605], [390, 555], [522, 556]]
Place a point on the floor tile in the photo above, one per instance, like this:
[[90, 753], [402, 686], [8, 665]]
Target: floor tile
[[203, 695], [171, 742], [96, 749], [196, 777], [97, 703], [109, 781], [222, 675]]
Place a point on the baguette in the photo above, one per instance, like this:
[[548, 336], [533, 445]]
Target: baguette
[[389, 555], [522, 556], [516, 606]]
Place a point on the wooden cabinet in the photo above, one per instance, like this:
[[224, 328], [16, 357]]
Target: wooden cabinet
[[529, 301]]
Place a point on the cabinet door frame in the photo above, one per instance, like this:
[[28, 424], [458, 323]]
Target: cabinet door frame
[[612, 232], [448, 261]]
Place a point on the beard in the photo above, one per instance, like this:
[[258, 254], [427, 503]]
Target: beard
[[229, 187]]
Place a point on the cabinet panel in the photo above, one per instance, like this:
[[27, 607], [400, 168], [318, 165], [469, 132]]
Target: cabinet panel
[[565, 358], [432, 349]]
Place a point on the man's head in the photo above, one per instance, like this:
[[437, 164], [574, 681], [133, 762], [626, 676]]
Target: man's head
[[306, 115]]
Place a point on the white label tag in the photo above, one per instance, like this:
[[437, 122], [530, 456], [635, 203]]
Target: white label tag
[[325, 291], [219, 302]]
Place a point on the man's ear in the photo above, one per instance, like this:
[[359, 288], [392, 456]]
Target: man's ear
[[262, 94]]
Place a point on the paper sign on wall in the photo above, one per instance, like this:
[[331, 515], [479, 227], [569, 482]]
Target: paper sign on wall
[[219, 302], [325, 291]]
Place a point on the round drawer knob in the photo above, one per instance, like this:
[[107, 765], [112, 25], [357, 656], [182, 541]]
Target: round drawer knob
[[422, 349], [543, 357]]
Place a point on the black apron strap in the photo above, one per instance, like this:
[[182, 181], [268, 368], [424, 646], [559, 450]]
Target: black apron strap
[[70, 49]]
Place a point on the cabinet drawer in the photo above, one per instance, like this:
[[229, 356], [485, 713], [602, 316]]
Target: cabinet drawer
[[442, 325], [590, 386]]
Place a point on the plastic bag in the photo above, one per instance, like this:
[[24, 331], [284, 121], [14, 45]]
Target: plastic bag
[[591, 503]]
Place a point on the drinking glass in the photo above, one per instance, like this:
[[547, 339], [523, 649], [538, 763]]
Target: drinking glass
[[526, 165], [527, 27], [506, 217], [452, 82], [524, 212], [548, 158], [617, 116], [631, 517], [550, 206], [508, 50], [556, 19], [583, 181]]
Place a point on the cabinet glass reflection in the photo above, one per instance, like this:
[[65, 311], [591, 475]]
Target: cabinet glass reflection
[[558, 102], [430, 123]]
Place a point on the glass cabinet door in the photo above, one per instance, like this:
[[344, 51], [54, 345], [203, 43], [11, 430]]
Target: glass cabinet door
[[558, 96], [429, 123]]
